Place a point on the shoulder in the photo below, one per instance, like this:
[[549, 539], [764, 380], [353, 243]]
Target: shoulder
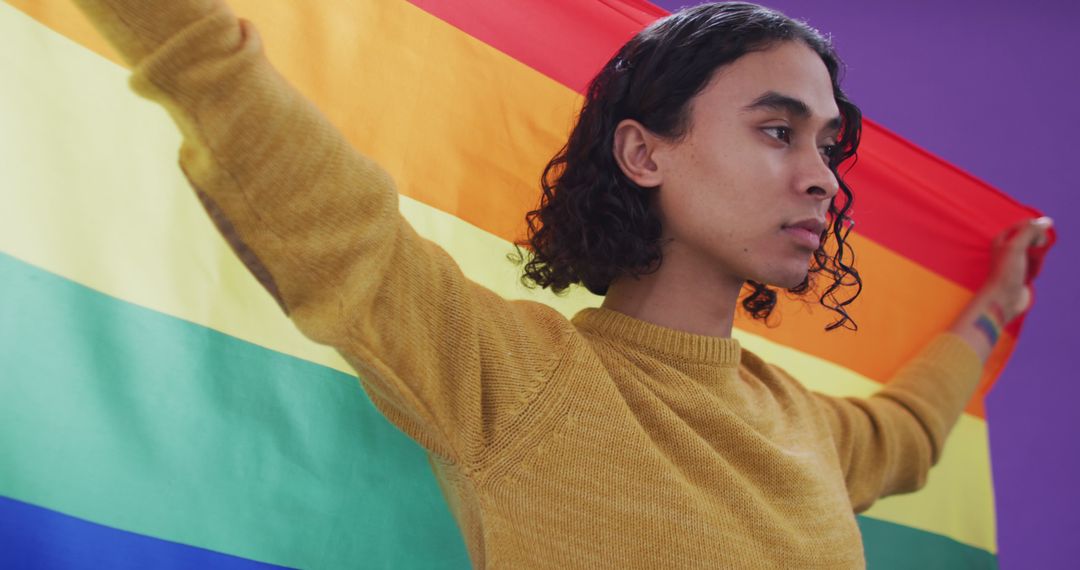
[[773, 375]]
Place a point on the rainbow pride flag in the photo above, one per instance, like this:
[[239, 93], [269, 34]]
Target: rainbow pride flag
[[156, 408]]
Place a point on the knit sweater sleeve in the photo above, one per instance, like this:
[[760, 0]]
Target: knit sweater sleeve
[[888, 442], [449, 362]]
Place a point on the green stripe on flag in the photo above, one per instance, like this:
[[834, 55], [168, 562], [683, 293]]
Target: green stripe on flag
[[144, 422], [892, 546]]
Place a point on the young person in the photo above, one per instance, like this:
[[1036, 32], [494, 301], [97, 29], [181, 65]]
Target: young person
[[638, 434]]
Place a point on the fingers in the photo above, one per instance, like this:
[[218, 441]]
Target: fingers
[[1040, 231], [1044, 224], [1029, 233]]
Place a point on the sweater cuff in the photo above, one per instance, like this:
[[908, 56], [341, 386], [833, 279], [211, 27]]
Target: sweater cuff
[[137, 27]]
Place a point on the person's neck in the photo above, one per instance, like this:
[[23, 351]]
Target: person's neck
[[679, 296]]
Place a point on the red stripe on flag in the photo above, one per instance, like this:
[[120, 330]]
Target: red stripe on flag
[[567, 40]]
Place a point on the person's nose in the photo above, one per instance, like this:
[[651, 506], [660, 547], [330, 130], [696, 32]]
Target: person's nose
[[816, 178]]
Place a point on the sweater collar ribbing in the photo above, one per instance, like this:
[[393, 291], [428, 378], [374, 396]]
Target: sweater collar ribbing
[[655, 338]]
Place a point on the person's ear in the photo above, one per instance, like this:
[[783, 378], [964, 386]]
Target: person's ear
[[633, 148]]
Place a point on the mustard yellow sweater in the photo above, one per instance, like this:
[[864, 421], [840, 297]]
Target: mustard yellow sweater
[[602, 442]]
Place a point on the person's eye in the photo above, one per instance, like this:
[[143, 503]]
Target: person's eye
[[780, 133], [829, 151]]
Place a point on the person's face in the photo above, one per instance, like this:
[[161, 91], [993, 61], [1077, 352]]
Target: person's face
[[752, 163]]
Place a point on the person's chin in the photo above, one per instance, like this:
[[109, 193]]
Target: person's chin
[[787, 279]]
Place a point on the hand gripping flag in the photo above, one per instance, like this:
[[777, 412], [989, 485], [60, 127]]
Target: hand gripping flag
[[157, 409]]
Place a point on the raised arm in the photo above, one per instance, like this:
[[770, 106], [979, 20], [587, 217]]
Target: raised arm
[[888, 442], [318, 225]]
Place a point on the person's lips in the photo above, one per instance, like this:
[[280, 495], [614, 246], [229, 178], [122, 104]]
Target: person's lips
[[806, 232]]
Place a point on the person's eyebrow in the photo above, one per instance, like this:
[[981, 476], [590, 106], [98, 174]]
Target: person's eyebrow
[[794, 107]]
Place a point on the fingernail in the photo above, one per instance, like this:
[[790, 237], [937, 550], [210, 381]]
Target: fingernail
[[1043, 221]]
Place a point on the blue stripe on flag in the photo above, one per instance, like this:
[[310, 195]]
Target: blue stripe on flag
[[35, 537]]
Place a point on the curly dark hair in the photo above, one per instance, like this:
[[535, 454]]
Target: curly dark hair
[[594, 225]]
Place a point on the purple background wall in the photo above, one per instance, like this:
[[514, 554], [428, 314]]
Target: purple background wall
[[994, 88]]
